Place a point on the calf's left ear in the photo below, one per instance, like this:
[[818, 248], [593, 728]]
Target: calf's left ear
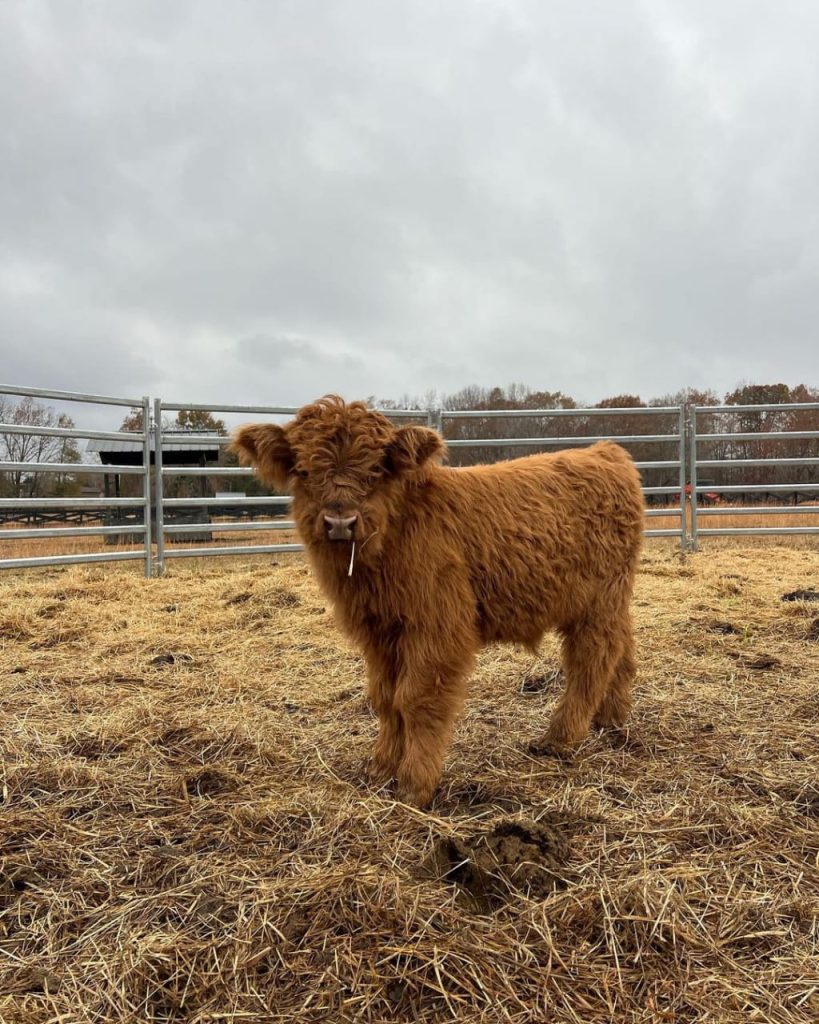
[[265, 447], [412, 447]]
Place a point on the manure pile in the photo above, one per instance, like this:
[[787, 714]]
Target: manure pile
[[185, 834]]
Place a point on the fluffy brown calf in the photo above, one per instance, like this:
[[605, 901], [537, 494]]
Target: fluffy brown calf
[[426, 564]]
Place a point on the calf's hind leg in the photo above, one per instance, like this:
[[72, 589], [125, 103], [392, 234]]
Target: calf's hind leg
[[592, 650], [615, 707]]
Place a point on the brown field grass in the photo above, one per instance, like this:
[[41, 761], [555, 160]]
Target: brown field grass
[[185, 834]]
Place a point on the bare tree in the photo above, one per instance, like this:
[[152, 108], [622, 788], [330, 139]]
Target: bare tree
[[35, 447]]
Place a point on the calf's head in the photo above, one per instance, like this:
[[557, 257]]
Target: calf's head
[[345, 465]]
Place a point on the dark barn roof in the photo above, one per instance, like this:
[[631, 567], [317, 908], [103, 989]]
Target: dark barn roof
[[174, 453]]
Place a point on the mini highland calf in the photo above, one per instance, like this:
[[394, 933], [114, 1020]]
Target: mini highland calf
[[426, 564]]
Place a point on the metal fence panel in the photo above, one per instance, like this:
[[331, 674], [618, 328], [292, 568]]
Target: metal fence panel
[[675, 439], [734, 458], [26, 507], [697, 449]]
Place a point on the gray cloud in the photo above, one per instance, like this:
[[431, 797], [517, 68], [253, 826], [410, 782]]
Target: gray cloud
[[270, 201], [269, 351]]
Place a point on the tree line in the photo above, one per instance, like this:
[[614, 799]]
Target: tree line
[[521, 397]]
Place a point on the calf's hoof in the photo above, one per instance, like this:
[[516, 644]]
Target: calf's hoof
[[415, 794], [379, 772], [416, 798], [546, 747], [609, 722], [611, 715]]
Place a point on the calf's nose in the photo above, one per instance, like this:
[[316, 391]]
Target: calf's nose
[[340, 527]]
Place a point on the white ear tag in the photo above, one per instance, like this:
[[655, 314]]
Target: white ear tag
[[352, 559]]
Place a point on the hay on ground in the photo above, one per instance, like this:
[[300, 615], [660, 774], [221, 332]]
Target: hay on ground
[[185, 834]]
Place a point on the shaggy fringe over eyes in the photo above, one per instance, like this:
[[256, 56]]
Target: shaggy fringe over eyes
[[335, 436], [330, 428], [330, 435]]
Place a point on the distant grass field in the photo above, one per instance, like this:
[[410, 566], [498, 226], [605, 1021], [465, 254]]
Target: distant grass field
[[186, 834], [77, 545]]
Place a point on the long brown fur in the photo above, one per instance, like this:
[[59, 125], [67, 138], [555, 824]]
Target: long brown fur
[[449, 560]]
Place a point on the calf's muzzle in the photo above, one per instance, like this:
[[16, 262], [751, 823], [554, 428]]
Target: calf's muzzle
[[340, 527]]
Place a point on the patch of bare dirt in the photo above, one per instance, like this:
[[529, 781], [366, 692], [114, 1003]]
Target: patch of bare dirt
[[809, 594], [725, 628], [489, 866], [542, 683]]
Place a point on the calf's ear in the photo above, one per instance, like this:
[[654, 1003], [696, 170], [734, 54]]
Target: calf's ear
[[265, 447], [413, 447]]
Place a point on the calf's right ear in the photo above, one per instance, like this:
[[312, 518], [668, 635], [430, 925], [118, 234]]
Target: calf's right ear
[[265, 447]]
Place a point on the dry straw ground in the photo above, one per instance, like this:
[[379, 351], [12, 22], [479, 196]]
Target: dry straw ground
[[185, 834]]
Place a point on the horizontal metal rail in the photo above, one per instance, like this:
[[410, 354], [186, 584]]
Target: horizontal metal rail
[[69, 396], [206, 471], [205, 440], [673, 511], [762, 435], [262, 410], [24, 503], [280, 500], [196, 440], [266, 549], [728, 463], [277, 410], [68, 467], [760, 510], [232, 527], [473, 414], [99, 435], [507, 442], [756, 488], [32, 563], [239, 501], [237, 549], [705, 410], [36, 532], [755, 531]]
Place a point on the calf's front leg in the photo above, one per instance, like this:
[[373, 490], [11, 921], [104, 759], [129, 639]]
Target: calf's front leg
[[386, 755], [428, 698]]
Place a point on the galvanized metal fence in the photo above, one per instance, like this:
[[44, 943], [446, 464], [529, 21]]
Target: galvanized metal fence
[[729, 439], [673, 482], [674, 439], [140, 530]]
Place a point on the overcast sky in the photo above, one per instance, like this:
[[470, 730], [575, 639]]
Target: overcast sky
[[265, 201]]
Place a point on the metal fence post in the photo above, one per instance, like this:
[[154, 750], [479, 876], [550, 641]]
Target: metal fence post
[[146, 483], [159, 489], [682, 450], [692, 468]]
